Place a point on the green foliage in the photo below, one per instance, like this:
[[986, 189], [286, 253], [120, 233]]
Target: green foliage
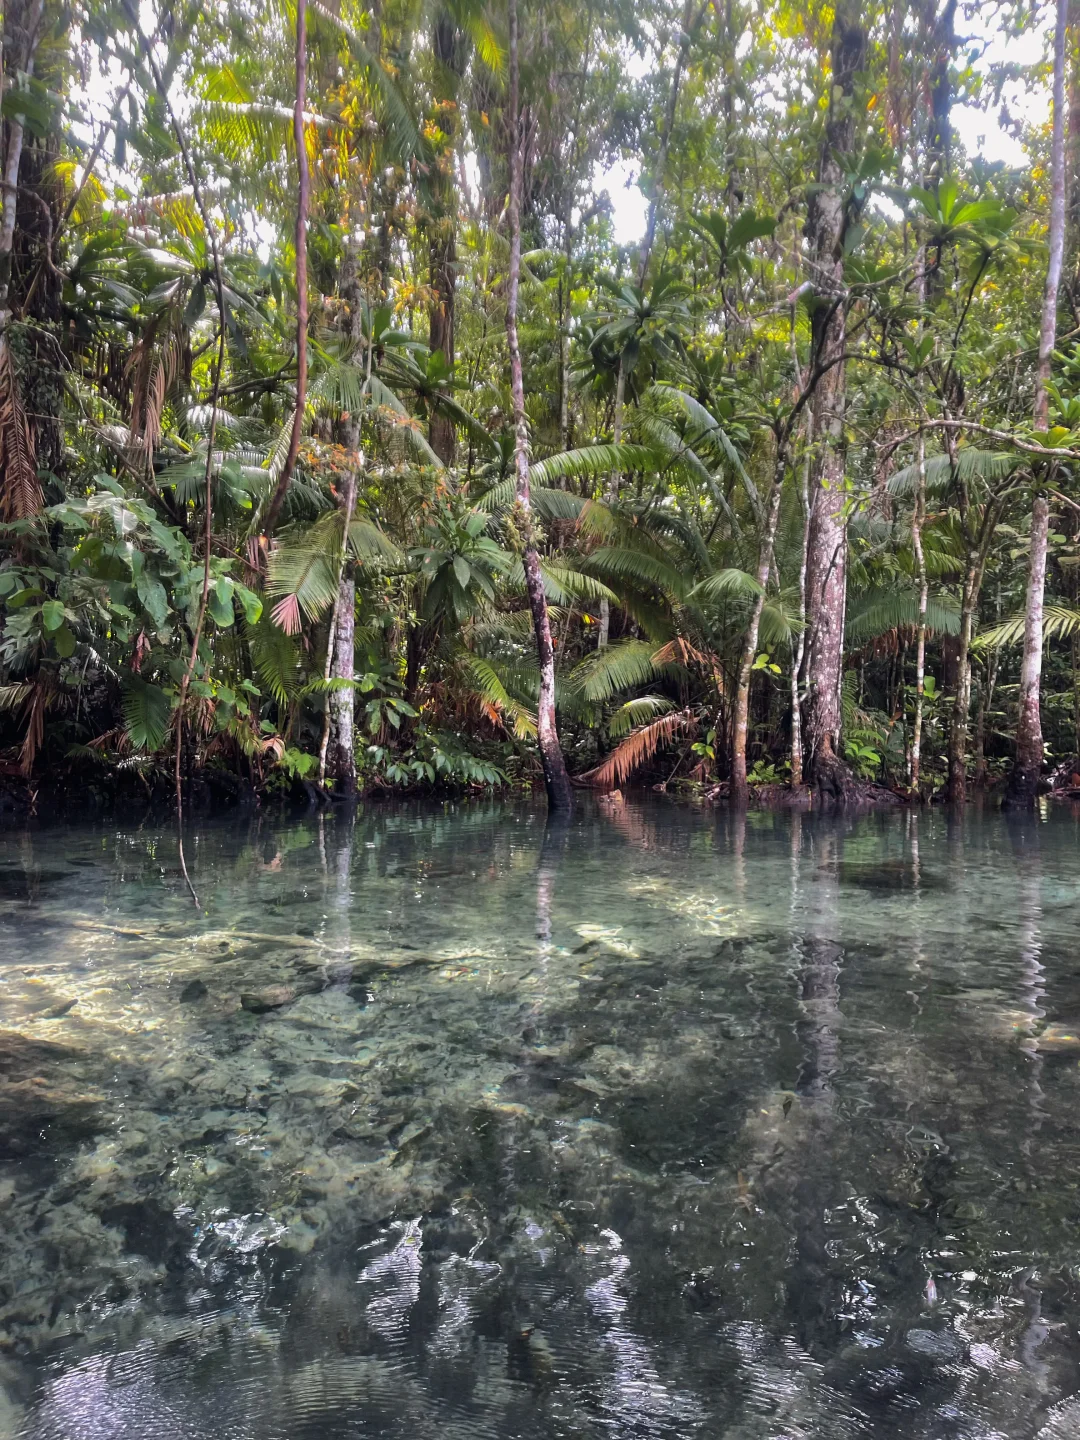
[[666, 394]]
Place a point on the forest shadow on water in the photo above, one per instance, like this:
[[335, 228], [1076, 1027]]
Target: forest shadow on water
[[438, 1122]]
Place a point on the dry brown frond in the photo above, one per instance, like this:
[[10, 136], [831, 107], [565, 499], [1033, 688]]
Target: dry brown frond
[[154, 370], [20, 493], [680, 652], [34, 707], [116, 739], [637, 748]]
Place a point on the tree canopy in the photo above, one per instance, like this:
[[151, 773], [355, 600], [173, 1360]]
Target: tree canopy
[[347, 441]]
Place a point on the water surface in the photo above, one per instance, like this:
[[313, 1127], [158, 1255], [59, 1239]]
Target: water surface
[[436, 1124]]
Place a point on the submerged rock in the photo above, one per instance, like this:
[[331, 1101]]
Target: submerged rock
[[273, 997], [1059, 1039]]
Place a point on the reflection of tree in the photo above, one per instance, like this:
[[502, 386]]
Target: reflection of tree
[[1023, 829]]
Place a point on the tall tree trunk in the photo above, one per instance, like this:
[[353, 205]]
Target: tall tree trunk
[[341, 703], [740, 791], [442, 244], [604, 628], [689, 26], [1026, 772], [827, 558], [342, 758], [303, 189], [920, 642], [556, 780], [958, 725], [20, 493], [799, 647], [1027, 767]]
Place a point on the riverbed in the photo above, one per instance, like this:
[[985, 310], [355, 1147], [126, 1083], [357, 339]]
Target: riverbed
[[440, 1121]]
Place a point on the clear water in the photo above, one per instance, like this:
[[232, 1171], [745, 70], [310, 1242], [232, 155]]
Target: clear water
[[674, 1124]]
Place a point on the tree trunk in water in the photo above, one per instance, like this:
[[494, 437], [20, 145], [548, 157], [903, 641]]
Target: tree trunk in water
[[343, 701], [827, 554], [920, 646], [1027, 767], [799, 648], [740, 791], [341, 704], [556, 780], [958, 727]]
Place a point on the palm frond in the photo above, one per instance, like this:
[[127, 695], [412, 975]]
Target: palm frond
[[12, 696], [706, 427], [146, 714], [562, 585], [275, 659], [638, 712], [646, 568], [490, 687], [878, 611], [392, 110], [368, 543], [1059, 622], [548, 504], [727, 584], [615, 668], [639, 748], [971, 464], [591, 460]]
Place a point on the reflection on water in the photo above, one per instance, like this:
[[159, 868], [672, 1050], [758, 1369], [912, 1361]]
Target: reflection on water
[[434, 1124]]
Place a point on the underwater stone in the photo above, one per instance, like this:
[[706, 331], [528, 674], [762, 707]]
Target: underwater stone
[[259, 1002]]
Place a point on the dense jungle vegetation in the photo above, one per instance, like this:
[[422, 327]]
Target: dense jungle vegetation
[[343, 445]]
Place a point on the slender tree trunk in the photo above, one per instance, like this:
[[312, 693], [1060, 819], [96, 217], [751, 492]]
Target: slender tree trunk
[[565, 292], [442, 248], [342, 702], [740, 791], [689, 25], [1027, 768], [13, 155], [827, 557], [303, 190], [958, 726], [556, 780], [20, 493], [920, 643], [612, 495], [799, 648]]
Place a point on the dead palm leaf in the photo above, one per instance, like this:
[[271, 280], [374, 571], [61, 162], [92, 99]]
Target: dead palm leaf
[[638, 748], [20, 493]]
